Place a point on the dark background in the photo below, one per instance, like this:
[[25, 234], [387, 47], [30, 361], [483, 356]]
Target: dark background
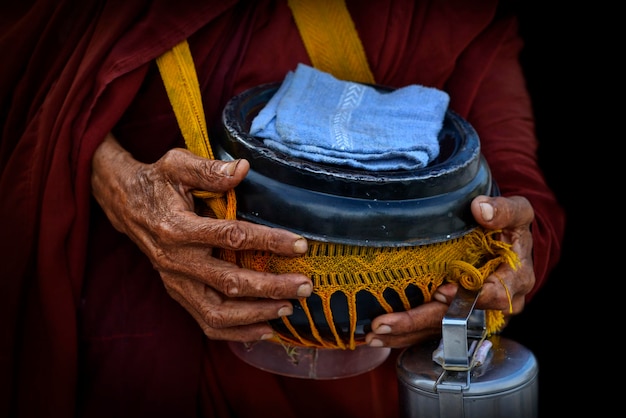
[[565, 62]]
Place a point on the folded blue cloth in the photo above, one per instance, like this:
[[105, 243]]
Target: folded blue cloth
[[317, 117]]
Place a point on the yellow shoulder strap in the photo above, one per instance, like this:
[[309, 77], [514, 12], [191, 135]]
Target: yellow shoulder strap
[[181, 83], [331, 39]]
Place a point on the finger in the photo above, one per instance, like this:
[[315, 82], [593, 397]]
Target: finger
[[506, 289], [503, 290], [446, 293], [242, 235], [215, 311], [502, 212], [242, 333], [401, 329], [195, 172], [233, 281]]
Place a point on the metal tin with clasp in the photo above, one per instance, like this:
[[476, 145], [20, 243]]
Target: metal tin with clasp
[[503, 383]]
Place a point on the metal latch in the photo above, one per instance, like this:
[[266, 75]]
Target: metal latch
[[463, 331]]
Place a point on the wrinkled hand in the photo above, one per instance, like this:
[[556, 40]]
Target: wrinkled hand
[[514, 216], [154, 206]]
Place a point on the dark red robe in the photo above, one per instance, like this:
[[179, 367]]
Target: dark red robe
[[86, 326]]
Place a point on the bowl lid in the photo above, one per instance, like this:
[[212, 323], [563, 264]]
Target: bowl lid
[[345, 205]]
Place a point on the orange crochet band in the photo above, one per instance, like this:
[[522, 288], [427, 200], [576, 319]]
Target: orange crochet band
[[349, 270]]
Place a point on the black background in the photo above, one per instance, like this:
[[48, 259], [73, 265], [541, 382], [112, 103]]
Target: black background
[[567, 63]]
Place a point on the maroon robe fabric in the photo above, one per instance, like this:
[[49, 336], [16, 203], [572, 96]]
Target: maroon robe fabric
[[87, 328]]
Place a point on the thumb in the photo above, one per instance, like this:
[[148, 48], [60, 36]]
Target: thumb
[[502, 212], [195, 172]]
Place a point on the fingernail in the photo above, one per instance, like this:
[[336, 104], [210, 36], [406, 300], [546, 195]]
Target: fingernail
[[300, 246], [285, 311], [440, 298], [486, 210], [383, 329], [267, 336], [229, 168], [304, 291], [376, 343]]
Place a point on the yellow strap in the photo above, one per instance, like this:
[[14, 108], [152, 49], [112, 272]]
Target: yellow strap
[[331, 39], [181, 83]]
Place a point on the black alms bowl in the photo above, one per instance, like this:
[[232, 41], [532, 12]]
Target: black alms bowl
[[348, 206]]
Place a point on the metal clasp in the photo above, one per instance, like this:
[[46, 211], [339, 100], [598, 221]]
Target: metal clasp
[[463, 330]]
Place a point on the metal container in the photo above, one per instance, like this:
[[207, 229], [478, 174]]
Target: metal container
[[503, 384]]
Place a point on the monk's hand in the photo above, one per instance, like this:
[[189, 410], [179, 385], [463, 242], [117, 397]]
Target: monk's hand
[[153, 204], [504, 290]]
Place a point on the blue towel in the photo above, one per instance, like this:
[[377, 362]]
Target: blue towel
[[317, 117]]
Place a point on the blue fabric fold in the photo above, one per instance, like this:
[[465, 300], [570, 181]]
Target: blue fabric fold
[[315, 116]]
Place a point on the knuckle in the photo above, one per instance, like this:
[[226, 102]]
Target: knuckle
[[232, 235], [228, 282], [215, 318], [163, 242], [160, 260], [278, 289], [501, 302], [163, 229], [236, 236], [171, 160], [210, 169]]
